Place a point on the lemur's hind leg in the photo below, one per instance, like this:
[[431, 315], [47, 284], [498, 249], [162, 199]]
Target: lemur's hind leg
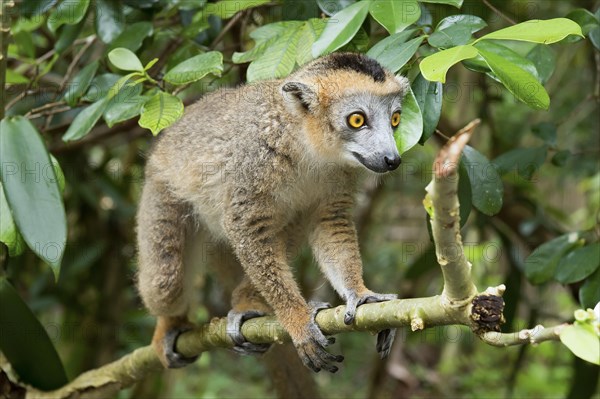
[[246, 304], [162, 285]]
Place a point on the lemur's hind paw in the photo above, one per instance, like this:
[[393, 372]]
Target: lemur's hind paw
[[173, 359], [234, 332], [385, 338]]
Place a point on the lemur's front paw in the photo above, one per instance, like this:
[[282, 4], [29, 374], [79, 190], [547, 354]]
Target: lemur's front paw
[[311, 349], [172, 359], [385, 338], [234, 332]]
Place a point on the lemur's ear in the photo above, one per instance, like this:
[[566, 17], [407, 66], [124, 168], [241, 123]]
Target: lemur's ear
[[300, 96]]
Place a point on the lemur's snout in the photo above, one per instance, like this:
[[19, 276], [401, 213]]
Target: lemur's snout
[[393, 162]]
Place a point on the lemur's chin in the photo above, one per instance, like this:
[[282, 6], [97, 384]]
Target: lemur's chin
[[377, 168]]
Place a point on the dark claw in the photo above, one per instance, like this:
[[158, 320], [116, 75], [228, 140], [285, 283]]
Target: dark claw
[[234, 332], [175, 360]]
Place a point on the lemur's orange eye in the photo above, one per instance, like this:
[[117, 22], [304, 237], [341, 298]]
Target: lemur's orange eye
[[395, 119], [356, 120]]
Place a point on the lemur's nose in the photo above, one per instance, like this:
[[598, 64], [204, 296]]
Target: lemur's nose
[[393, 162]]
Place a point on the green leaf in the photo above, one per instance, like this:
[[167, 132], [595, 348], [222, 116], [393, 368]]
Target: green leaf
[[455, 3], [594, 34], [67, 35], [309, 33], [585, 19], [330, 7], [109, 21], [561, 158], [435, 67], [537, 31], [544, 59], [15, 78], [486, 184], [341, 28], [394, 58], [68, 12], [274, 30], [32, 191], [389, 44], [85, 120], [100, 86], [359, 43], [582, 341], [133, 36], [226, 9], [541, 265], [454, 35], [9, 233], [395, 15], [465, 194], [196, 68], [578, 264], [255, 52], [80, 84], [429, 98], [160, 112], [589, 293], [32, 8], [519, 82], [475, 24], [26, 344], [411, 127], [545, 131], [525, 160], [279, 59], [509, 56], [125, 59], [121, 111]]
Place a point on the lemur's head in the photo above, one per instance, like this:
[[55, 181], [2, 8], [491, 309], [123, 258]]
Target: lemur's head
[[351, 107]]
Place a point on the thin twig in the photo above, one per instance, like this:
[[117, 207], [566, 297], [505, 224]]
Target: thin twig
[[227, 28], [500, 13], [88, 42], [53, 111], [44, 108]]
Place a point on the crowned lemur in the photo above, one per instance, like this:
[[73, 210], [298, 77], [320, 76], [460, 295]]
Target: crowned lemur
[[256, 168]]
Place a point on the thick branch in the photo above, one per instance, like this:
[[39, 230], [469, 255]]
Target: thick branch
[[445, 220]]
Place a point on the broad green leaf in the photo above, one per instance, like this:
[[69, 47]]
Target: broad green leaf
[[537, 31], [341, 28], [80, 84], [309, 33], [509, 56], [435, 67], [582, 341], [196, 68], [519, 82], [160, 112], [411, 127], [68, 12], [330, 7], [100, 86], [455, 3], [475, 24], [454, 35], [133, 36], [429, 98], [395, 58], [67, 35], [594, 34], [486, 184], [109, 21], [541, 265], [544, 59], [578, 264], [358, 44], [226, 9], [275, 29], [389, 44], [122, 111], [9, 233], [395, 15], [26, 344], [85, 120], [561, 158], [589, 293], [32, 191], [279, 59], [585, 19], [15, 78], [125, 59], [32, 8], [546, 131], [255, 52], [525, 160]]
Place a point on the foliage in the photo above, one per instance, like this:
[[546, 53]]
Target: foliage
[[86, 80]]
